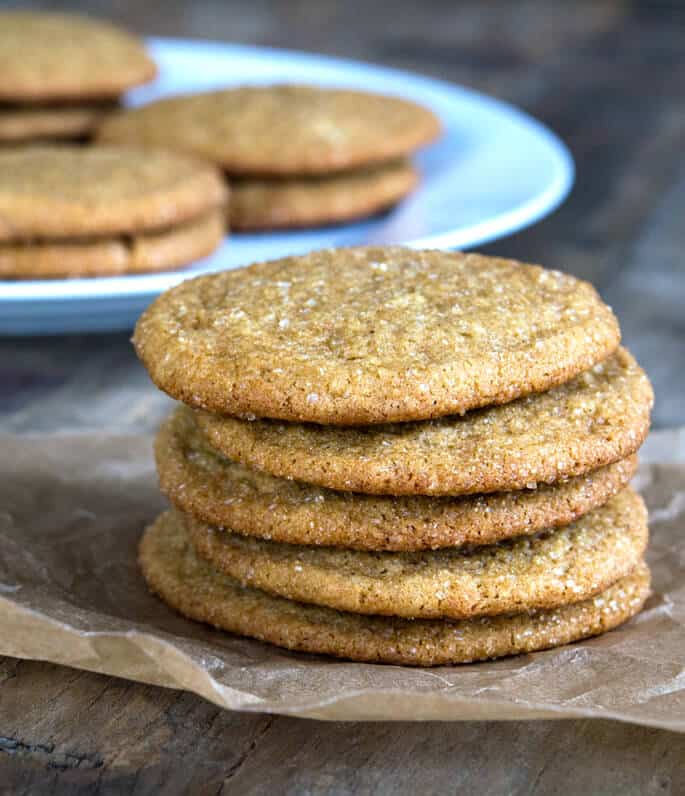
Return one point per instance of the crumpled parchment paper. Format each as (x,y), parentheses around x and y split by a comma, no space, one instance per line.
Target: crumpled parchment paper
(72,507)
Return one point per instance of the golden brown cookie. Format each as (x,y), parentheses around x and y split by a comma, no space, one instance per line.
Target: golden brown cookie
(369,335)
(61,192)
(175,572)
(547,570)
(279,129)
(260,204)
(597,418)
(202,482)
(151,251)
(47,56)
(19,124)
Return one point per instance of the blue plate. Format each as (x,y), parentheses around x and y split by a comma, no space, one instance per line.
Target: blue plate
(494,171)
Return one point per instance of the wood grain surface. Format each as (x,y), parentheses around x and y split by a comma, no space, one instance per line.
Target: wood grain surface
(608,76)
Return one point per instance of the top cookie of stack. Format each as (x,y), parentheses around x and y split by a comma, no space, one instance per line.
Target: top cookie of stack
(59,74)
(296,155)
(432,449)
(372,335)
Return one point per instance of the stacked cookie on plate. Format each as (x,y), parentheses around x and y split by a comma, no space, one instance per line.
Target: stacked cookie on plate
(295,156)
(399,456)
(68,211)
(61,73)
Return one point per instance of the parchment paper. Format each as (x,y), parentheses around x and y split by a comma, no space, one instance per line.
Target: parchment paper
(73,506)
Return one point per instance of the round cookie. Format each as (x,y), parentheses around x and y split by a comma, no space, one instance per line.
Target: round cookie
(275,204)
(371,335)
(152,251)
(597,418)
(62,192)
(47,56)
(279,130)
(202,482)
(186,583)
(548,570)
(19,124)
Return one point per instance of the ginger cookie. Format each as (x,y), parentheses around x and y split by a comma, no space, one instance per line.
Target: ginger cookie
(372,335)
(202,482)
(262,204)
(547,570)
(47,56)
(56,193)
(19,124)
(173,570)
(133,254)
(595,419)
(279,130)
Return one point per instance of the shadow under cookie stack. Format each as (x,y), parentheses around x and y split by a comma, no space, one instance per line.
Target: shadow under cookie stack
(397,456)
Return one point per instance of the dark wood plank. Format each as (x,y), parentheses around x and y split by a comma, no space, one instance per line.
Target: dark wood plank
(73,732)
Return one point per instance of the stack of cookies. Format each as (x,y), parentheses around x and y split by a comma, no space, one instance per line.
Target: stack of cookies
(397,456)
(296,156)
(68,211)
(60,74)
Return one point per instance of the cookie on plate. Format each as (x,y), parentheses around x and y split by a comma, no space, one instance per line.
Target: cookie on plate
(134,253)
(68,211)
(263,204)
(188,584)
(37,123)
(60,74)
(279,130)
(372,335)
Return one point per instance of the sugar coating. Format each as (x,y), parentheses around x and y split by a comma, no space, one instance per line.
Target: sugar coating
(202,482)
(138,253)
(305,202)
(597,418)
(368,335)
(188,584)
(47,56)
(541,571)
(279,129)
(63,192)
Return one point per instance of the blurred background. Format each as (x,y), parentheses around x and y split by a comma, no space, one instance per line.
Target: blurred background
(606,75)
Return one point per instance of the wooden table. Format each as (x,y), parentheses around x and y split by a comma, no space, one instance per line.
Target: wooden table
(609,77)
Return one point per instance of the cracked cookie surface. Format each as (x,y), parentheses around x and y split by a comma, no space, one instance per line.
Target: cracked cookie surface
(173,570)
(595,419)
(546,570)
(370,335)
(202,482)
